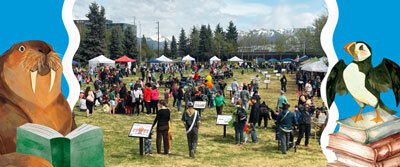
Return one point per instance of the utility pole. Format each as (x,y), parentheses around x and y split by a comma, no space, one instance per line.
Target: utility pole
(158,38)
(140,43)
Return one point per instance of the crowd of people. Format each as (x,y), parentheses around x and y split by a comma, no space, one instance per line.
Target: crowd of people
(142,96)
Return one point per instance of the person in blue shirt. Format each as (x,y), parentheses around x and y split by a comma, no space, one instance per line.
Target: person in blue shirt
(285,121)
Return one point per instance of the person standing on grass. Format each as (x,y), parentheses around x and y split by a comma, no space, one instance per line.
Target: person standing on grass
(137,97)
(234,86)
(187,97)
(147,98)
(304,124)
(162,119)
(238,124)
(253,120)
(89,96)
(191,121)
(154,99)
(112,101)
(283,83)
(285,121)
(174,91)
(179,98)
(245,96)
(281,99)
(219,102)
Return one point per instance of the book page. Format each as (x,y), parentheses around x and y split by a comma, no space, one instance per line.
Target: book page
(41,130)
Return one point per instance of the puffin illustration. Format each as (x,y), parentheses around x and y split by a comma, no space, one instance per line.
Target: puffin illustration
(363,81)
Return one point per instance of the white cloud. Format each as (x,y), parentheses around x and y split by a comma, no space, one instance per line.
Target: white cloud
(176,14)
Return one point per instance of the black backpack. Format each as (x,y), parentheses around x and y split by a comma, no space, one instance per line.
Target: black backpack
(241,115)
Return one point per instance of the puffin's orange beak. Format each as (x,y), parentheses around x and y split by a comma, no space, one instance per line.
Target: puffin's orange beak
(350,47)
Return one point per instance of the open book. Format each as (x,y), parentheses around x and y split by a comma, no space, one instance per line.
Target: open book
(81,147)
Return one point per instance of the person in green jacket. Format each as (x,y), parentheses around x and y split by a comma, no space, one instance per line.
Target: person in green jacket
(219,102)
(281,99)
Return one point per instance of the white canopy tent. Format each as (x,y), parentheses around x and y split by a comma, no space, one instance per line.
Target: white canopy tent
(235,59)
(318,66)
(214,59)
(101,60)
(188,58)
(164,59)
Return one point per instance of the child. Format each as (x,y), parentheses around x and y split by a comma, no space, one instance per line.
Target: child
(147,144)
(169,137)
(166,95)
(112,101)
(247,129)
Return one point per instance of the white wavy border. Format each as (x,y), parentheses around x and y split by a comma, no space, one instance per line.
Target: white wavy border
(73,44)
(327,45)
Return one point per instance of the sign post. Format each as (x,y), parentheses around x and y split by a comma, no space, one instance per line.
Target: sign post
(267,82)
(141,131)
(278,75)
(230,91)
(224,120)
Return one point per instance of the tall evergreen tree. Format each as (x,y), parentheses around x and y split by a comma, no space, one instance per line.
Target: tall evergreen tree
(166,50)
(232,34)
(130,43)
(219,41)
(194,43)
(183,42)
(116,48)
(94,43)
(146,53)
(174,49)
(205,44)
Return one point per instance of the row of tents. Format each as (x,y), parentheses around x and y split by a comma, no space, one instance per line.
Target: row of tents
(308,64)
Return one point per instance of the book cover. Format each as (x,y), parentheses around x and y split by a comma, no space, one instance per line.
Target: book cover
(81,147)
(366,131)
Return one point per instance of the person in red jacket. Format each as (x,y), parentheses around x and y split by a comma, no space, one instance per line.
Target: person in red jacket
(154,99)
(147,98)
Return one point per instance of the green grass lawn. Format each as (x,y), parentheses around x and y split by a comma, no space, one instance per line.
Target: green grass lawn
(213,149)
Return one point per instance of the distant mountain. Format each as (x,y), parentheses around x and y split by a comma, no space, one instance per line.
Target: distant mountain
(270,34)
(152,41)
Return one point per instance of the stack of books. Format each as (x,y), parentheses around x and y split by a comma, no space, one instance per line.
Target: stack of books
(366,143)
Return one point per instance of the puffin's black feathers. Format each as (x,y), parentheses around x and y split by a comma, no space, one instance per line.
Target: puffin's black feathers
(335,83)
(386,76)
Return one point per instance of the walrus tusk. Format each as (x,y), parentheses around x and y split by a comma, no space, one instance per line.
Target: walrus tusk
(33,80)
(52,79)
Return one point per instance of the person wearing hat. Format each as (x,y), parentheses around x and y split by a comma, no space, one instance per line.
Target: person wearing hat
(191,121)
(285,121)
(254,116)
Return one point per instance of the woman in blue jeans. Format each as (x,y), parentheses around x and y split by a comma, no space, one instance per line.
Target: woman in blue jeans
(239,126)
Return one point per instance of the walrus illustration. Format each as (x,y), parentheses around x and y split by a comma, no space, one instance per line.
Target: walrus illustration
(30,91)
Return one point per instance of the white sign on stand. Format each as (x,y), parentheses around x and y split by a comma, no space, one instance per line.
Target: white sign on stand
(267,76)
(140,130)
(223,119)
(275,71)
(267,81)
(199,105)
(278,74)
(283,70)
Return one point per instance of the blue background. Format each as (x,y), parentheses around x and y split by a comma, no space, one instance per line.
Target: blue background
(377,24)
(25,20)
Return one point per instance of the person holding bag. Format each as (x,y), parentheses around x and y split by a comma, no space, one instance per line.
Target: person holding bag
(162,119)
(191,121)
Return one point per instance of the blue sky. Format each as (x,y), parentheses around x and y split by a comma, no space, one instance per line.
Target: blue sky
(176,14)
